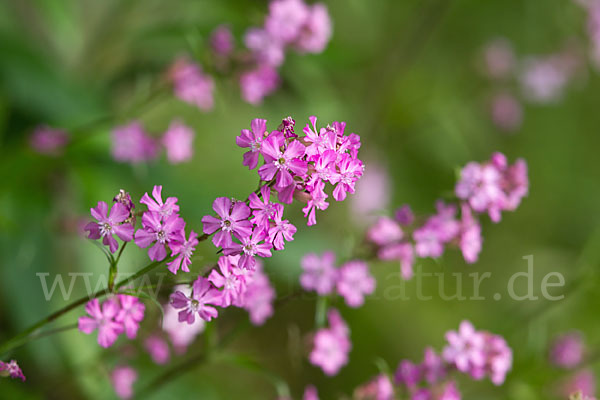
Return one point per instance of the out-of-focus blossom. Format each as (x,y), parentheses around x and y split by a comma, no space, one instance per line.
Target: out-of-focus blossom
(11,369)
(130,143)
(221,40)
(567,350)
(404,215)
(544,79)
(259,296)
(192,85)
(384,231)
(582,381)
(103,319)
(408,373)
(379,388)
(122,379)
(372,193)
(310,393)
(286,19)
(470,235)
(158,349)
(354,282)
(130,314)
(499,59)
(331,345)
(181,334)
(506,112)
(178,141)
(319,273)
(49,141)
(259,82)
(316,31)
(266,49)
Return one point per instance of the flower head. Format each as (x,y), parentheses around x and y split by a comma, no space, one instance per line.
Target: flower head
(183,249)
(156,204)
(102,319)
(232,218)
(123,379)
(11,369)
(354,282)
(204,296)
(178,141)
(160,231)
(46,140)
(110,224)
(319,273)
(567,350)
(130,314)
(192,85)
(130,143)
(331,347)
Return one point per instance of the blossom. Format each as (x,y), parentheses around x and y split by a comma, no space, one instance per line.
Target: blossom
(350,170)
(158,349)
(130,143)
(384,231)
(203,296)
(122,379)
(281,229)
(192,85)
(259,296)
(433,366)
(499,59)
(221,40)
(582,381)
(232,285)
(282,164)
(465,349)
(252,138)
(379,388)
(316,31)
(125,198)
(251,246)
(178,141)
(11,369)
(110,224)
(402,252)
(310,393)
(450,392)
(156,204)
(130,314)
(182,249)
(319,273)
(567,350)
(331,347)
(373,192)
(265,48)
(263,210)
(233,218)
(470,235)
(317,202)
(257,83)
(286,19)
(354,282)
(181,334)
(408,373)
(404,215)
(544,79)
(158,231)
(506,112)
(103,319)
(438,230)
(49,141)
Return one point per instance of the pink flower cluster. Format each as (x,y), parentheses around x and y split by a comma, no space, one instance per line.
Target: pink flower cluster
(490,187)
(131,143)
(230,285)
(289,24)
(568,351)
(331,345)
(352,280)
(114,316)
(12,370)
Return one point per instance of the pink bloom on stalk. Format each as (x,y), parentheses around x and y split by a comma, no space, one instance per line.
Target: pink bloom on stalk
(350,170)
(384,231)
(402,252)
(506,112)
(221,40)
(158,349)
(320,140)
(124,198)
(499,358)
(259,297)
(450,392)
(110,224)
(264,210)
(567,350)
(285,19)
(465,349)
(102,319)
(181,334)
(156,204)
(281,231)
(252,139)
(319,273)
(11,369)
(232,285)
(470,235)
(130,314)
(265,48)
(158,231)
(544,79)
(203,296)
(282,164)
(192,85)
(46,140)
(232,218)
(331,346)
(408,374)
(438,230)
(178,141)
(251,246)
(122,379)
(404,215)
(316,31)
(354,282)
(258,83)
(183,249)
(433,366)
(130,143)
(310,393)
(480,184)
(317,201)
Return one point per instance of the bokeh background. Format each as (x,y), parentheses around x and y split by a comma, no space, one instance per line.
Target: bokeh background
(405,75)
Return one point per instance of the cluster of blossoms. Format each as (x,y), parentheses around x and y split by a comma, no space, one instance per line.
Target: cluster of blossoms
(490,187)
(331,345)
(569,352)
(352,280)
(131,143)
(11,369)
(478,354)
(542,79)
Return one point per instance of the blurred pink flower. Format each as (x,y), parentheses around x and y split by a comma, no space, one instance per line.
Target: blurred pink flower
(11,369)
(354,282)
(130,314)
(178,141)
(123,379)
(319,273)
(506,112)
(257,83)
(192,85)
(331,345)
(567,350)
(499,59)
(158,349)
(103,319)
(130,143)
(49,141)
(316,30)
(222,41)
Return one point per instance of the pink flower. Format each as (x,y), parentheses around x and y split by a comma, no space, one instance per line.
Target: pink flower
(156,204)
(158,349)
(582,381)
(11,369)
(408,374)
(178,140)
(258,83)
(316,31)
(384,231)
(506,112)
(281,230)
(402,252)
(259,296)
(310,393)
(183,249)
(263,210)
(354,282)
(450,392)
(252,139)
(265,48)
(232,284)
(221,40)
(123,379)
(192,85)
(130,314)
(251,246)
(373,192)
(567,350)
(465,349)
(109,225)
(281,164)
(331,346)
(203,296)
(404,215)
(125,198)
(286,18)
(433,366)
(181,334)
(317,202)
(232,219)
(438,230)
(350,170)
(499,59)
(158,231)
(470,235)
(319,274)
(130,143)
(46,140)
(379,388)
(102,319)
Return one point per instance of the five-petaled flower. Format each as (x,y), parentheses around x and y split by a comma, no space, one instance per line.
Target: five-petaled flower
(110,224)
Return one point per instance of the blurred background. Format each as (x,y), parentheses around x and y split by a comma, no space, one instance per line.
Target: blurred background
(417,80)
